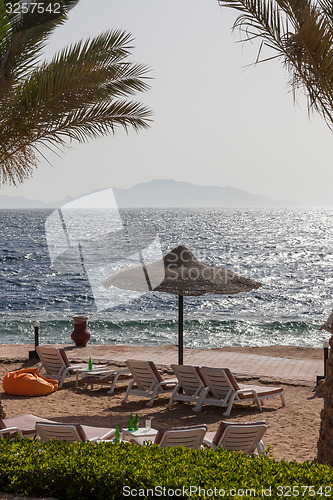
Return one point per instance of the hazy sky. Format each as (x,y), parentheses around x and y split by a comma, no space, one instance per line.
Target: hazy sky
(215,121)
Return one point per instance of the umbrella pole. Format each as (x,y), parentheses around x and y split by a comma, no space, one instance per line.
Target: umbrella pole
(180,328)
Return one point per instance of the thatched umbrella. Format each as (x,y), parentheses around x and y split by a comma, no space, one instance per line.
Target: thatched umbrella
(180,273)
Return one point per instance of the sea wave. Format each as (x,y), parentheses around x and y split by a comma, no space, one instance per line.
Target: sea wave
(197,333)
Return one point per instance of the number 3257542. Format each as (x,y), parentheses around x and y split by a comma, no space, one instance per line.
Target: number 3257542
(39,7)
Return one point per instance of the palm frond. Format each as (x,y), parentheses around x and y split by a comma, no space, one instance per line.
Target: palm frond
(300,33)
(23,36)
(79,95)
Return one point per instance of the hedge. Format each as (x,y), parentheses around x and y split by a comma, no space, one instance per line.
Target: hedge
(118,471)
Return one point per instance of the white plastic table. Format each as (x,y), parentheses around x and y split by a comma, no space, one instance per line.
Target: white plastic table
(141,432)
(98,369)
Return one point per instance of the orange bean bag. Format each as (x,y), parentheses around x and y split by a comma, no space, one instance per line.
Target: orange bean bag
(28,382)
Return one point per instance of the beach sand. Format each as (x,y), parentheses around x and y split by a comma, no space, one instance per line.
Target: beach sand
(292,430)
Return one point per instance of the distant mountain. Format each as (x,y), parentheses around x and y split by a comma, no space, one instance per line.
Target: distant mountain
(169,193)
(10,202)
(162,194)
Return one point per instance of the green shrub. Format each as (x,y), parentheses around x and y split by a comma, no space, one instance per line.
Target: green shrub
(108,471)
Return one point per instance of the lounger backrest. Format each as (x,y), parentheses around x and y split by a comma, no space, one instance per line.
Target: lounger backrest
(51,358)
(64,432)
(190,378)
(240,436)
(63,354)
(220,381)
(144,373)
(190,437)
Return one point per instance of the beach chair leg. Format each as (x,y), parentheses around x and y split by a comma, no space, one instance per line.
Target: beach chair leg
(113,386)
(153,396)
(231,402)
(257,400)
(198,407)
(62,379)
(283,399)
(201,399)
(174,392)
(130,385)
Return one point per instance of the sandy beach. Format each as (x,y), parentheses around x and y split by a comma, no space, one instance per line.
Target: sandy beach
(292,430)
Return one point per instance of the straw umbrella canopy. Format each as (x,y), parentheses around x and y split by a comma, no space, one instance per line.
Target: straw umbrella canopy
(182,274)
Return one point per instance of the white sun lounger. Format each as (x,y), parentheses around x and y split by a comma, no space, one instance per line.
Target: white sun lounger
(190,437)
(223,390)
(55,364)
(190,384)
(148,380)
(234,436)
(73,432)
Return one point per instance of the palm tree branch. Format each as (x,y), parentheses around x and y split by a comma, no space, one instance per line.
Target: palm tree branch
(80,94)
(56,87)
(300,34)
(23,36)
(98,121)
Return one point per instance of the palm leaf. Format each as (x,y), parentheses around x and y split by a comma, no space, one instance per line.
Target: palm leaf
(23,36)
(300,33)
(76,96)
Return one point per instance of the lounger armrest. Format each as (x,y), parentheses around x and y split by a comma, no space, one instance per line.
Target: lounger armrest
(209,444)
(247,391)
(109,435)
(96,440)
(11,430)
(124,370)
(105,438)
(173,381)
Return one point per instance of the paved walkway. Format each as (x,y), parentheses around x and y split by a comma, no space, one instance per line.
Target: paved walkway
(287,370)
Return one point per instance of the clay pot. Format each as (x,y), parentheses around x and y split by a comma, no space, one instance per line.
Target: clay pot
(80,334)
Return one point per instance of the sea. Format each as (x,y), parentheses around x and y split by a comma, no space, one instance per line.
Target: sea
(51,268)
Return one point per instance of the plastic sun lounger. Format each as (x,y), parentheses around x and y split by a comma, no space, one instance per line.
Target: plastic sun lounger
(25,423)
(55,364)
(223,390)
(190,384)
(148,380)
(244,436)
(190,437)
(73,432)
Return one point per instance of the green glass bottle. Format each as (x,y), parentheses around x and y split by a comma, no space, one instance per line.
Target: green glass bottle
(117,435)
(130,423)
(136,422)
(90,364)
